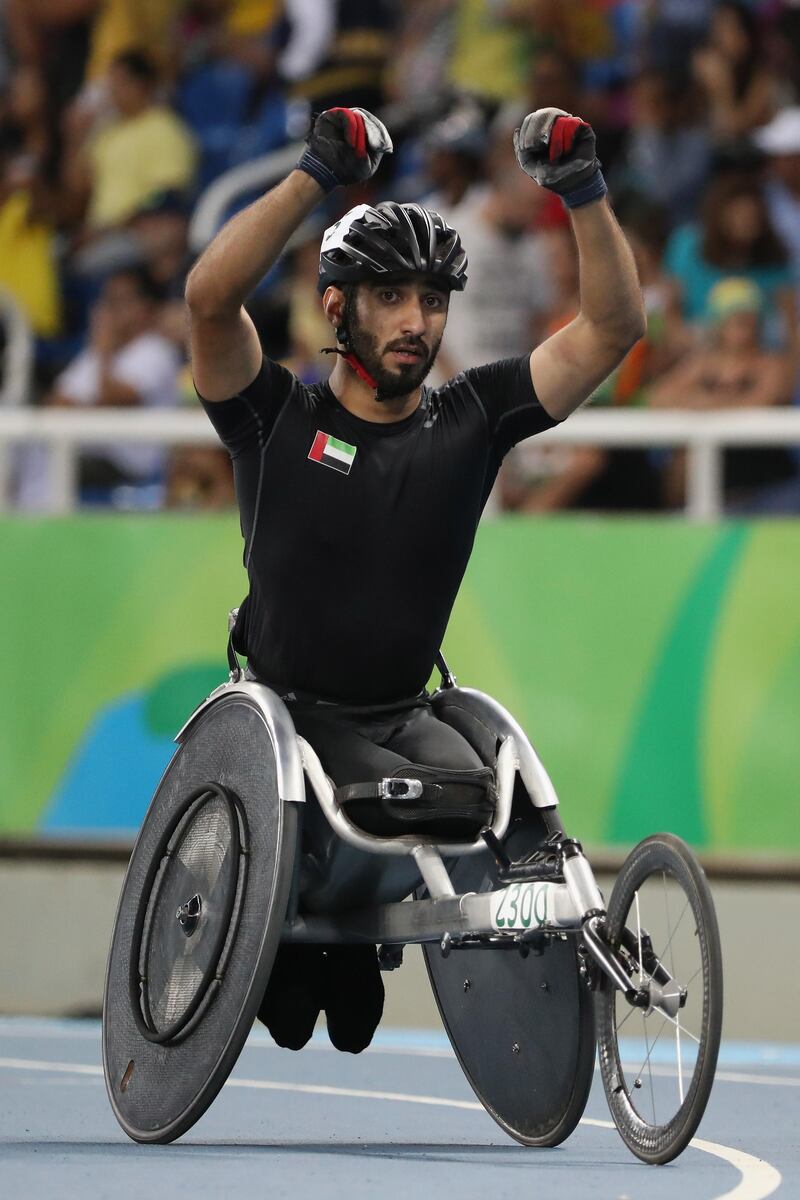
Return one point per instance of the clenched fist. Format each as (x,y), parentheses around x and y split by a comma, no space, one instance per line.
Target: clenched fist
(345,146)
(558,151)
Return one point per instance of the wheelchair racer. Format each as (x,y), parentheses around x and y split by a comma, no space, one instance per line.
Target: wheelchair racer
(360,497)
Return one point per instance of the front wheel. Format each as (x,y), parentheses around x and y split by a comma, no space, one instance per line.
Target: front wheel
(657,1063)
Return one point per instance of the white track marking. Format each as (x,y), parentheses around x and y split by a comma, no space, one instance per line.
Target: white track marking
(263,1043)
(759,1179)
(30,1064)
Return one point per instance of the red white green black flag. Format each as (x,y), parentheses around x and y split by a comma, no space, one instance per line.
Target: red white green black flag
(332,452)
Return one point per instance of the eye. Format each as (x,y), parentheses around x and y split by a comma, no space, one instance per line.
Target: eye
(389,295)
(434,300)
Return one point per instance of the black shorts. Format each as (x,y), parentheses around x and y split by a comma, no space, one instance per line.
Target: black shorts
(357,746)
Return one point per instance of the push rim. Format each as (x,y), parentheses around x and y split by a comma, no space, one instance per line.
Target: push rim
(194,921)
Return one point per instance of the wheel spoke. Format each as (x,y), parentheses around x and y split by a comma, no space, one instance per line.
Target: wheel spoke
(675,930)
(639,936)
(669,926)
(646,1063)
(683,1027)
(628,1015)
(693,976)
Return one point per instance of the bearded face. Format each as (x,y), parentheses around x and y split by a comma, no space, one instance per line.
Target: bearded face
(399,363)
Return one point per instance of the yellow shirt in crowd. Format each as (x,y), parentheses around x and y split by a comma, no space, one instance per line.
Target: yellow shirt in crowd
(27,264)
(490,57)
(135,158)
(129,25)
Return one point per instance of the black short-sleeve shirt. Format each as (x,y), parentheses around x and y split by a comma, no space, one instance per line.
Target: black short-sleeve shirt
(357,534)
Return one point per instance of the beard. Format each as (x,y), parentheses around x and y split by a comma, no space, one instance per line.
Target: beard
(393,384)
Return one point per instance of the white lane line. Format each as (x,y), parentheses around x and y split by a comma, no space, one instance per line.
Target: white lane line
(759,1178)
(30,1064)
(261,1043)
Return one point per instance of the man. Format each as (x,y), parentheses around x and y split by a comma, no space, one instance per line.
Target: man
(509,292)
(360,497)
(127,363)
(780,141)
(145,151)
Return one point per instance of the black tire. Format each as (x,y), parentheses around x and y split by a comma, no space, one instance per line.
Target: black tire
(160,1080)
(665,857)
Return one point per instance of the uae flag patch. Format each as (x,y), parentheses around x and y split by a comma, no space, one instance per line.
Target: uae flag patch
(333,453)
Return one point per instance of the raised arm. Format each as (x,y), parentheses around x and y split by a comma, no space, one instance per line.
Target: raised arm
(557,150)
(224,345)
(345,146)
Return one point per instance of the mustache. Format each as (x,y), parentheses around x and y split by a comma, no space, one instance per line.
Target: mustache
(414,344)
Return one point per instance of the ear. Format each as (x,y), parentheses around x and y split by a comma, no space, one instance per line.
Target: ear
(333,302)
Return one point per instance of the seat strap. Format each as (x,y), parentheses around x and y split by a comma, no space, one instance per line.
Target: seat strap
(394,789)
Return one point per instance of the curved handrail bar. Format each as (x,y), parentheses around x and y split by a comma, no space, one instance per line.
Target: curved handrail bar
(280,726)
(534,775)
(263,171)
(407,843)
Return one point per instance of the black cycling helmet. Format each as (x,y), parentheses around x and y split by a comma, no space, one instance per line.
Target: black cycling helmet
(391,239)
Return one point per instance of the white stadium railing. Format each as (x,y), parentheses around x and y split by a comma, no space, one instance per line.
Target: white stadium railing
(65,432)
(261,173)
(18,353)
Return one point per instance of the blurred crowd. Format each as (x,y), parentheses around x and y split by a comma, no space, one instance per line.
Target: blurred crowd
(117,115)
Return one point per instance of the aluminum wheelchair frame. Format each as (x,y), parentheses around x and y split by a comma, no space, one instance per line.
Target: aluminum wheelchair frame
(519,912)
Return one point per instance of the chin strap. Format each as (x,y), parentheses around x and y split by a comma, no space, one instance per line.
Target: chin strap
(354,363)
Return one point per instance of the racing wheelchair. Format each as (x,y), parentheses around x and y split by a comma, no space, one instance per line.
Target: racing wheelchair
(532,972)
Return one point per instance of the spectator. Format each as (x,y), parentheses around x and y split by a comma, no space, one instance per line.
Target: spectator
(489,56)
(126,364)
(307,328)
(735,237)
(417,70)
(554,81)
(780,141)
(668,153)
(337,52)
(228,91)
(28,262)
(671,31)
(537,478)
(498,315)
(454,148)
(5,53)
(733,369)
(732,71)
(200,477)
(51,37)
(144,150)
(123,25)
(668,336)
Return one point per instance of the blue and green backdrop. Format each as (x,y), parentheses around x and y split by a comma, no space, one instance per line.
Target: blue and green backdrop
(655,665)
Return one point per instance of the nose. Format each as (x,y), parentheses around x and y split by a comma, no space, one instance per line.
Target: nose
(412,317)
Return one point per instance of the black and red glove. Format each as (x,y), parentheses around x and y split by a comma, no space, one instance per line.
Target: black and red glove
(558,151)
(345,145)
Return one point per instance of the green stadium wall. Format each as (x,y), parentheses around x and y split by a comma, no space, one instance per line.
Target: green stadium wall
(655,665)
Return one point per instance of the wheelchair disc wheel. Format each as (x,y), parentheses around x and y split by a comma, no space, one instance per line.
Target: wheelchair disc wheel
(523,1029)
(658,1068)
(198,924)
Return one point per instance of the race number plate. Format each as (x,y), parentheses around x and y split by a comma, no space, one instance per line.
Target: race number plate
(521,906)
